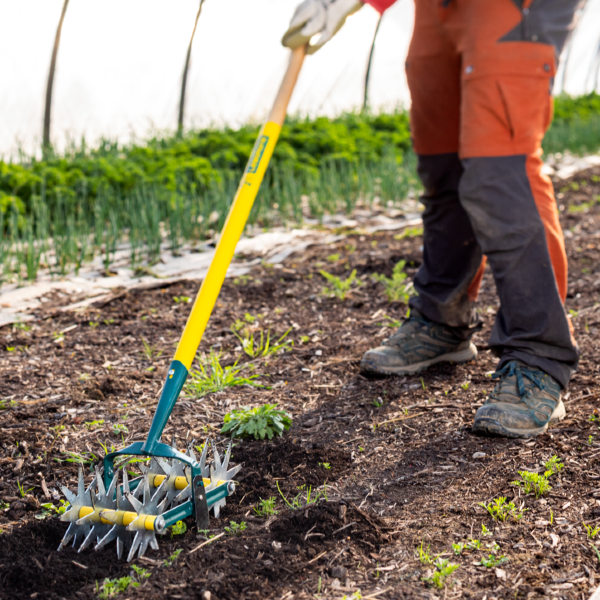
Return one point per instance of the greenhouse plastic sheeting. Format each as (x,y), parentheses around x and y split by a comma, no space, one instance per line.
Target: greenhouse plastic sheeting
(120,63)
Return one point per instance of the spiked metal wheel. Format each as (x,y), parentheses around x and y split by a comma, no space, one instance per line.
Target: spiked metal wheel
(131,514)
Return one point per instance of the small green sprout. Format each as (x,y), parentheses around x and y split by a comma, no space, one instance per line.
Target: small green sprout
(93,425)
(485,531)
(263,347)
(397,289)
(325,465)
(22,491)
(339,287)
(7,403)
(591,532)
(443,569)
(304,339)
(142,573)
(500,510)
(266,508)
(333,258)
(458,548)
(181,299)
(590,440)
(173,558)
(305,498)
(119,428)
(179,528)
(93,324)
(150,352)
(465,386)
(493,561)
(423,554)
(235,529)
(474,544)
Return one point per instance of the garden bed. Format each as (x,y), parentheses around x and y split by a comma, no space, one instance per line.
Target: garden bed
(401,468)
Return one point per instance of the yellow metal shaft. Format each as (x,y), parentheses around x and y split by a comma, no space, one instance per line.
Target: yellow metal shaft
(238,216)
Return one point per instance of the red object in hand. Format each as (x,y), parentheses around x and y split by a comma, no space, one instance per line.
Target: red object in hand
(380,5)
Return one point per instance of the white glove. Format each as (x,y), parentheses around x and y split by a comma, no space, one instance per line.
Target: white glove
(318,16)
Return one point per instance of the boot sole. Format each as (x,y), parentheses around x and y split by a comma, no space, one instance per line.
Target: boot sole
(461,356)
(493,427)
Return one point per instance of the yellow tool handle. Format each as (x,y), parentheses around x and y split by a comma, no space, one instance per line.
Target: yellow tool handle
(238,215)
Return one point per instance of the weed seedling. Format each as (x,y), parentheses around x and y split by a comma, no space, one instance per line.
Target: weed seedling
(266,508)
(119,428)
(22,491)
(590,440)
(493,561)
(173,558)
(485,531)
(397,289)
(423,554)
(458,548)
(409,233)
(305,498)
(474,544)
(443,569)
(181,299)
(325,465)
(259,422)
(93,425)
(112,587)
(235,529)
(500,510)
(142,573)
(179,528)
(150,352)
(591,532)
(6,404)
(262,348)
(212,377)
(93,324)
(339,287)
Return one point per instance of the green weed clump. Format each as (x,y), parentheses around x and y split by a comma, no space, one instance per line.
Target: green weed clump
(500,510)
(262,347)
(212,377)
(307,497)
(443,569)
(534,483)
(397,289)
(339,287)
(259,422)
(266,508)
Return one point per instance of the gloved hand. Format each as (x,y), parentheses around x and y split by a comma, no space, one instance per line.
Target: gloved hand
(318,16)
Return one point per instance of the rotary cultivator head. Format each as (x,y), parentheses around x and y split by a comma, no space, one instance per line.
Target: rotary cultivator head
(131,513)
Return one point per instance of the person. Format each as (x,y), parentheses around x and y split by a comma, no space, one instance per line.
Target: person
(480,75)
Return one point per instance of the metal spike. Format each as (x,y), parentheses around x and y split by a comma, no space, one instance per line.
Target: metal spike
(134,546)
(88,540)
(100,482)
(119,548)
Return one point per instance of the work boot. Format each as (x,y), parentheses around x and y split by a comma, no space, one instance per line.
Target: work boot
(418,344)
(524,402)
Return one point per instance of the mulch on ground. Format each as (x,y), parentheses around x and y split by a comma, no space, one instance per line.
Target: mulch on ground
(395,457)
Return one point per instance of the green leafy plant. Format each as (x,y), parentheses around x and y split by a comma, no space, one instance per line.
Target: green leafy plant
(458,548)
(181,299)
(423,554)
(500,510)
(485,531)
(22,491)
(112,587)
(142,573)
(262,348)
(493,561)
(178,529)
(94,324)
(443,569)
(235,529)
(397,289)
(150,352)
(93,425)
(305,498)
(592,532)
(259,422)
(409,233)
(48,509)
(474,544)
(339,287)
(325,465)
(173,558)
(266,508)
(212,377)
(119,428)
(7,403)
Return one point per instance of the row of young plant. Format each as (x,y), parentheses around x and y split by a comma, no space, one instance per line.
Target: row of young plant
(61,234)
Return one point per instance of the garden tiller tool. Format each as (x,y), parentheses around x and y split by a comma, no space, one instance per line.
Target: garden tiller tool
(175,485)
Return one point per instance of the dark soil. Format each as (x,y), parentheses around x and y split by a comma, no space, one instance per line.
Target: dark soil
(395,458)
